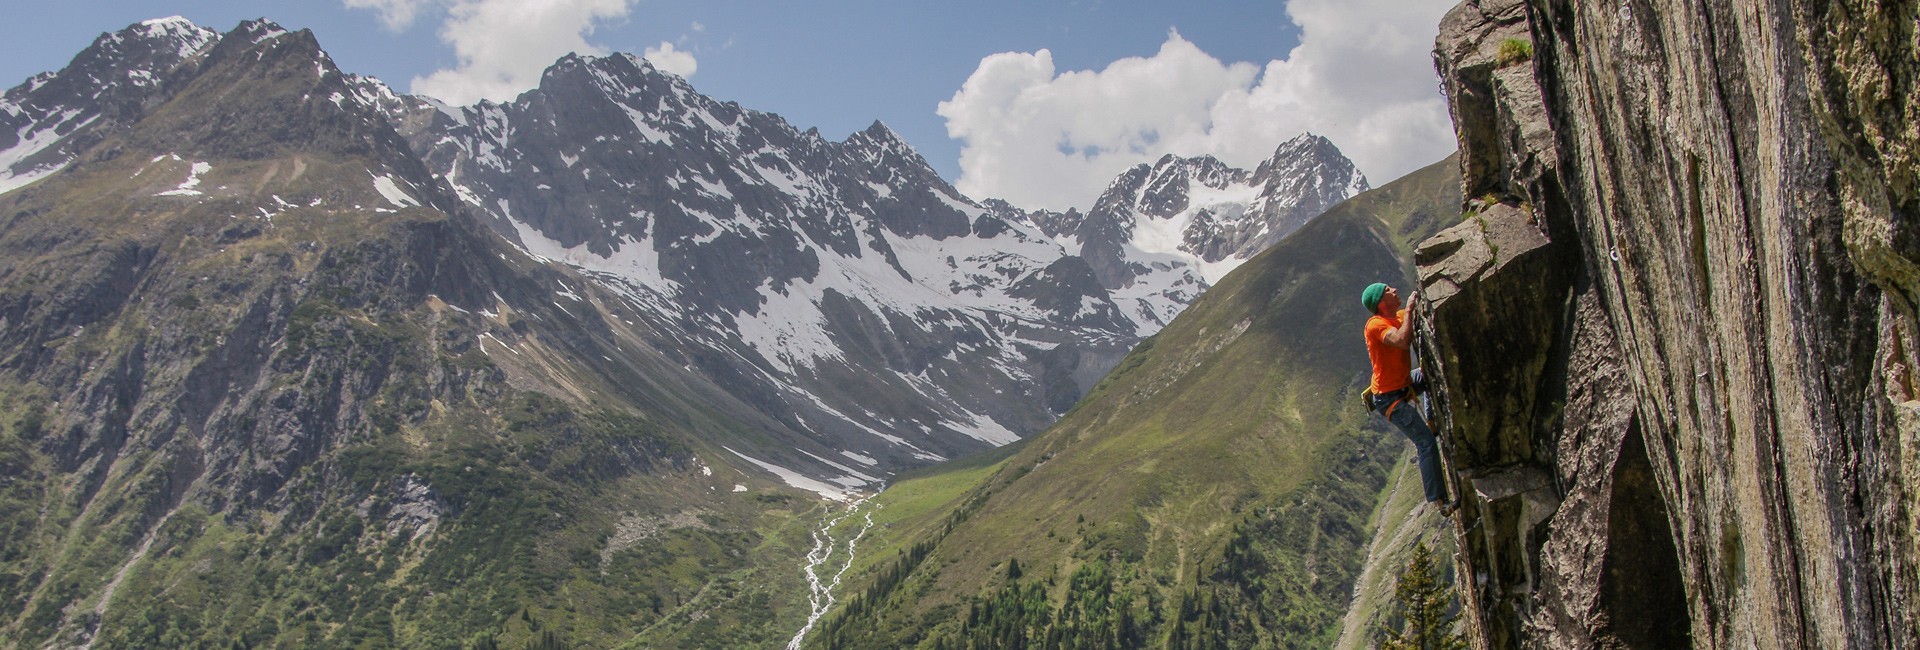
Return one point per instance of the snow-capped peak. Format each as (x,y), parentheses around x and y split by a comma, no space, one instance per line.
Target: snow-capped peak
(260,30)
(883,136)
(844,284)
(180,37)
(191,35)
(1199,213)
(45,122)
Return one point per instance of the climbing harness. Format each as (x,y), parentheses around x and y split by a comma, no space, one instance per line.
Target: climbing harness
(1403,394)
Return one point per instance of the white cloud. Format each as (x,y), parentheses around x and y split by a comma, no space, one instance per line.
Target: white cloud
(665,57)
(1362,76)
(397,15)
(503,45)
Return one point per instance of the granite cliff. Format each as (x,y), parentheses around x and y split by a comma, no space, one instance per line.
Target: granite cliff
(1675,332)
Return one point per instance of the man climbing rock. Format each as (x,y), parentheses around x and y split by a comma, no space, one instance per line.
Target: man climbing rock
(1389,334)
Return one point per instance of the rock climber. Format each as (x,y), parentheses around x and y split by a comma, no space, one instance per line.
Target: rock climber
(1389,334)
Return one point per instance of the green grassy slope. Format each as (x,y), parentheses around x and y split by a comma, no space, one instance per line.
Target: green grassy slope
(1216,488)
(1398,524)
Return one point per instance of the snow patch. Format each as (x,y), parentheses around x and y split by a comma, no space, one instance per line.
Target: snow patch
(1166,236)
(797,480)
(269,33)
(717,190)
(861,458)
(644,126)
(31,142)
(789,330)
(788,184)
(985,429)
(853,478)
(391,190)
(633,268)
(193,180)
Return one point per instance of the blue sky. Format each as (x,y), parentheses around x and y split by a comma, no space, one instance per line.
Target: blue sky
(1037,102)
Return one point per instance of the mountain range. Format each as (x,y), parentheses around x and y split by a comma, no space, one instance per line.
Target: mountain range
(403,373)
(841,288)
(845,284)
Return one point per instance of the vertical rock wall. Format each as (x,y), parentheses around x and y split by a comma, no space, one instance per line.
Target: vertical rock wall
(1675,331)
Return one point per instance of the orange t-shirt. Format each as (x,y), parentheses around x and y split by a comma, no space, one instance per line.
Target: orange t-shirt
(1392,367)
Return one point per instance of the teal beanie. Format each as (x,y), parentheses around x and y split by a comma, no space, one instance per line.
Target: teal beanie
(1370,298)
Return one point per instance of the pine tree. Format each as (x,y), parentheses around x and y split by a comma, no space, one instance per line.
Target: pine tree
(1424,603)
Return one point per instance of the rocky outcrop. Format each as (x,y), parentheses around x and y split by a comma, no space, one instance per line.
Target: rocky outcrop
(1675,334)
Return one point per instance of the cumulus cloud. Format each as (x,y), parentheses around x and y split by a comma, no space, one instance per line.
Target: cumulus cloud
(503,45)
(1362,76)
(397,15)
(665,57)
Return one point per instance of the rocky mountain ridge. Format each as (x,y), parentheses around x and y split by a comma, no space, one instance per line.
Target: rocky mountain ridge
(781,251)
(1200,212)
(843,288)
(47,121)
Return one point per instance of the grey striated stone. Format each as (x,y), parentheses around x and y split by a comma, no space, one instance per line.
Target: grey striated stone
(1498,290)
(416,507)
(1712,353)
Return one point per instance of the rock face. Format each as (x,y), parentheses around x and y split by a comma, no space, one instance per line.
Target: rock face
(1676,333)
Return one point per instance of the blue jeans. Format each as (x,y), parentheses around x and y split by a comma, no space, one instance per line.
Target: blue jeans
(1408,419)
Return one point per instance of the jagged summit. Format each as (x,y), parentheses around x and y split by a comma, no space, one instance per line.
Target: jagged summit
(622,71)
(814,274)
(260,29)
(47,120)
(882,135)
(187,37)
(1201,216)
(885,146)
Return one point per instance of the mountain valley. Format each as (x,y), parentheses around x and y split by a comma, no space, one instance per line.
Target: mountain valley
(292,359)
